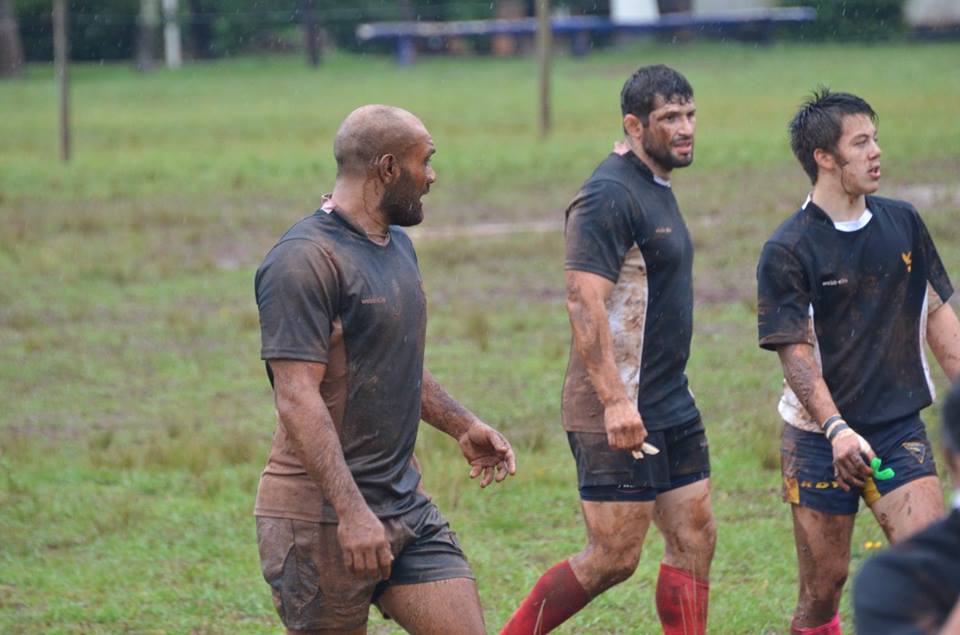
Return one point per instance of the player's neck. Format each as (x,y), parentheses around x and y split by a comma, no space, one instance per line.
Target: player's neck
(357,206)
(657,169)
(838,204)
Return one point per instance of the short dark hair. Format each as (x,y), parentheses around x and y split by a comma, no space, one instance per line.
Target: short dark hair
(951,419)
(641,89)
(819,124)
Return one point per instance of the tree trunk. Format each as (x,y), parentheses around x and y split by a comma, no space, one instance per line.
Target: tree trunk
(148,25)
(311,31)
(11,49)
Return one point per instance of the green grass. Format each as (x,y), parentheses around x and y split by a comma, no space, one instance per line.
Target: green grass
(135,413)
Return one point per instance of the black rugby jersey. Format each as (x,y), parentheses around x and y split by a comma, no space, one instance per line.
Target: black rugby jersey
(865,292)
(626,226)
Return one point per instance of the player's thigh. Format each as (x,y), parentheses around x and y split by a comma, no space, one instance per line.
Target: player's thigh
(617,525)
(685,518)
(435,608)
(909,508)
(312,589)
(823,546)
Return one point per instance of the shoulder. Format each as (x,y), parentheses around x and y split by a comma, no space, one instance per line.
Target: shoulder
(308,242)
(788,240)
(791,232)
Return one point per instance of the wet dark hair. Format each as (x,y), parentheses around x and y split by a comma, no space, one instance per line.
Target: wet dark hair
(819,124)
(641,89)
(951,419)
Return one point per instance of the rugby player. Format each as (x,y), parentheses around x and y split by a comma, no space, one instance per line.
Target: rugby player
(849,288)
(634,429)
(341,519)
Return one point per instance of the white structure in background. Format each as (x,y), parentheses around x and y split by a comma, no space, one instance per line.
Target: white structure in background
(932,13)
(627,11)
(171,35)
(916,13)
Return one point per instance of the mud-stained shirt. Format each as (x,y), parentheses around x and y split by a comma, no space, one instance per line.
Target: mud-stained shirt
(625,225)
(328,294)
(861,298)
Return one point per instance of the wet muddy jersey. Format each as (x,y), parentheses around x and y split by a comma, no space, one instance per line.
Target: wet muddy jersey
(328,294)
(860,298)
(624,224)
(911,588)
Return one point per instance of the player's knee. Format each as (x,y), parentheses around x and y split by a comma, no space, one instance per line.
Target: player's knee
(824,592)
(617,563)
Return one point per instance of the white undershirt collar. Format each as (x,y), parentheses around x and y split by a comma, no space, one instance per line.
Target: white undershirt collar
(847,225)
(663,182)
(956,499)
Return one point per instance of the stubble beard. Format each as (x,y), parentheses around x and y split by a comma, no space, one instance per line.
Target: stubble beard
(401,204)
(662,156)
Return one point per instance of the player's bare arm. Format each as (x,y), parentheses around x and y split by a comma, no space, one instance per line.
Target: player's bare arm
(307,421)
(488,452)
(587,294)
(943,336)
(802,372)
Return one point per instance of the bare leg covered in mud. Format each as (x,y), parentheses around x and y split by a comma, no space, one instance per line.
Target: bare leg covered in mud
(436,608)
(615,535)
(909,508)
(823,559)
(685,518)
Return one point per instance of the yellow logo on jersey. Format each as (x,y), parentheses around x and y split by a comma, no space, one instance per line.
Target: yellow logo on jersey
(907,258)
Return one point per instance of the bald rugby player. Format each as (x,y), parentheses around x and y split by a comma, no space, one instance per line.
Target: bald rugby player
(341,520)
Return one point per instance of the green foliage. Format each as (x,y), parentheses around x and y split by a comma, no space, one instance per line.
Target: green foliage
(863,20)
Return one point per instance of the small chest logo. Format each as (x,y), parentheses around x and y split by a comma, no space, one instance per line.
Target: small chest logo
(834,283)
(664,230)
(373,299)
(907,258)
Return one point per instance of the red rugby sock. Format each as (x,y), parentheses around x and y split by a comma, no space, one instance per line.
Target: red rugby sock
(555,597)
(682,601)
(830,628)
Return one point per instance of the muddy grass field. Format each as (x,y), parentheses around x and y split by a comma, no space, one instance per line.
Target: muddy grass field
(134,412)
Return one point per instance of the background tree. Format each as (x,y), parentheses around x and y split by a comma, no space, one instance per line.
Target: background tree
(11,49)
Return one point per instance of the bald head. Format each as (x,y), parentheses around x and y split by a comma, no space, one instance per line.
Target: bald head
(369,132)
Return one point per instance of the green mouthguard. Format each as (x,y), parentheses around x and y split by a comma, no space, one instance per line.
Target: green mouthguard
(884,474)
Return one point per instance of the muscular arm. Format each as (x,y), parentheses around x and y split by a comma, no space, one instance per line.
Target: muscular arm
(487,451)
(586,297)
(943,336)
(587,294)
(307,421)
(802,372)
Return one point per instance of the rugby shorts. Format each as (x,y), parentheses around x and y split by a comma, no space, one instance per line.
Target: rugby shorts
(311,586)
(605,474)
(806,463)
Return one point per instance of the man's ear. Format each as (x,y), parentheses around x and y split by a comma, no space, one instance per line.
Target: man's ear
(633,126)
(388,168)
(825,160)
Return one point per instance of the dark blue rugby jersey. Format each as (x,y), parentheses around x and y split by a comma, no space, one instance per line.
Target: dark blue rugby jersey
(626,226)
(865,294)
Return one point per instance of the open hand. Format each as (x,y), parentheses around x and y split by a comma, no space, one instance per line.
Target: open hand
(488,453)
